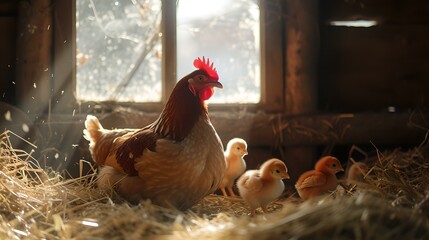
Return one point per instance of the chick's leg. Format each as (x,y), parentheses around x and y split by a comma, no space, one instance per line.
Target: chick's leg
(264,209)
(223,192)
(231,192)
(252,211)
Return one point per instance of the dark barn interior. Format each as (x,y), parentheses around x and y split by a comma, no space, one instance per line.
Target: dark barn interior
(328,89)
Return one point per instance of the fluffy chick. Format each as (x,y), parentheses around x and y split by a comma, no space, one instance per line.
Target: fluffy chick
(356,173)
(260,187)
(236,149)
(321,180)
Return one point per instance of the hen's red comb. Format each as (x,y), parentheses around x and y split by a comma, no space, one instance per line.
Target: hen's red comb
(206,66)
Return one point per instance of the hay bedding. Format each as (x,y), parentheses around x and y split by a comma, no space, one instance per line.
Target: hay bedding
(40,204)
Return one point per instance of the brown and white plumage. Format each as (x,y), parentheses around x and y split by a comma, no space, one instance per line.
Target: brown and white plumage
(260,187)
(321,180)
(176,160)
(236,149)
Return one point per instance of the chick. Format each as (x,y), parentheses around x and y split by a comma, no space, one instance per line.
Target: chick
(260,187)
(356,173)
(236,149)
(321,180)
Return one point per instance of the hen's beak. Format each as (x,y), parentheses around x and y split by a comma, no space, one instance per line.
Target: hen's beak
(214,84)
(208,84)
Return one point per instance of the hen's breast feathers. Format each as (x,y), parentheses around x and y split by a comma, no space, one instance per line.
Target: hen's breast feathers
(194,165)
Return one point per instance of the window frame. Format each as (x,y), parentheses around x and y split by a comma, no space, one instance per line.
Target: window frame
(64,62)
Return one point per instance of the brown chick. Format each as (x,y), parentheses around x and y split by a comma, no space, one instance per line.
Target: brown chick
(321,180)
(236,149)
(356,173)
(260,187)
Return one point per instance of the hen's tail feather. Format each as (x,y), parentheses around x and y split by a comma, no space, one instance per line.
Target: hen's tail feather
(92,131)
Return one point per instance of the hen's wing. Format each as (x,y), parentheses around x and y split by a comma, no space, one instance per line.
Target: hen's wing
(251,182)
(132,146)
(314,179)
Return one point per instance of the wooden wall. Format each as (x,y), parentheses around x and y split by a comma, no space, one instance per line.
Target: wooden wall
(359,71)
(370,69)
(8,22)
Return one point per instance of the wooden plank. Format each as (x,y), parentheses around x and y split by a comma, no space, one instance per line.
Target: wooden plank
(169,63)
(302,48)
(272,73)
(370,69)
(265,130)
(384,11)
(34,49)
(9,8)
(64,55)
(7,61)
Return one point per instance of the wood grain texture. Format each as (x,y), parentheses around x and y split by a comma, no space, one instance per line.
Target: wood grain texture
(370,69)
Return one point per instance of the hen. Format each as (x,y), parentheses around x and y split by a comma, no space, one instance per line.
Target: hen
(260,187)
(236,149)
(321,180)
(176,160)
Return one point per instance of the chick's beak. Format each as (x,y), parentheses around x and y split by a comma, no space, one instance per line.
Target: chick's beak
(340,169)
(285,176)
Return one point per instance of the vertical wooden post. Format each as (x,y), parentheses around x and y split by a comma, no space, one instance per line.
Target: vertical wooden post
(271,42)
(64,55)
(302,47)
(34,54)
(168,28)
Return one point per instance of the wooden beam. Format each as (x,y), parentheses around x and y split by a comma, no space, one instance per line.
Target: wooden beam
(272,73)
(302,47)
(34,54)
(64,64)
(7,61)
(309,130)
(168,29)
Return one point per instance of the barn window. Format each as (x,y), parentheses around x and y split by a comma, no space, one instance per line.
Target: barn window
(120,47)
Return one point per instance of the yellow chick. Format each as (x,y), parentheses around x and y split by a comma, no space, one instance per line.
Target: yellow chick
(236,149)
(321,180)
(260,187)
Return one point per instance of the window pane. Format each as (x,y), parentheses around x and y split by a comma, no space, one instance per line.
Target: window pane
(226,31)
(118,50)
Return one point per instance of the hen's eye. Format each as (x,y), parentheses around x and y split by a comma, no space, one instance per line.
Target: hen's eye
(238,148)
(277,171)
(334,165)
(200,79)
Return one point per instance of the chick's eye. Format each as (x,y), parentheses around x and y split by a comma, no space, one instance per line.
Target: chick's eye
(238,148)
(277,171)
